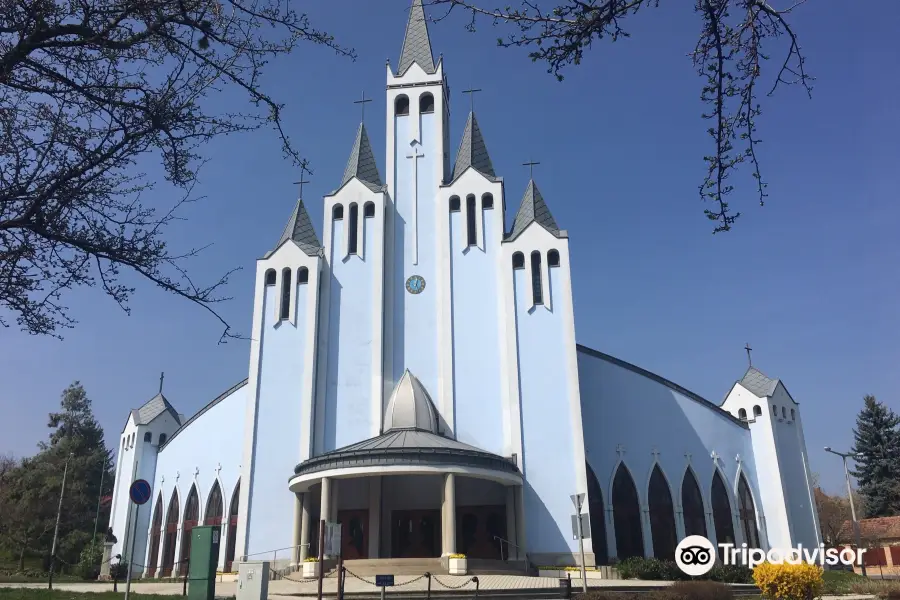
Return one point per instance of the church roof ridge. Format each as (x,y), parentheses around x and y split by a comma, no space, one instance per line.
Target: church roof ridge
(757,382)
(154,407)
(361,163)
(473,151)
(533,209)
(299,228)
(416,43)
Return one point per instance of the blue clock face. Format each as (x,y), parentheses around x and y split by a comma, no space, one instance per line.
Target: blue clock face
(415,284)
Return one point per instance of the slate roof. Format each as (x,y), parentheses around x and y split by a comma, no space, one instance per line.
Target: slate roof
(757,382)
(154,407)
(473,151)
(416,43)
(300,229)
(361,163)
(882,531)
(533,209)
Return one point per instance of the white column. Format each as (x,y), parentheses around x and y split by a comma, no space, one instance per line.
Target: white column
(335,489)
(295,539)
(520,520)
(304,526)
(374,525)
(511,553)
(448,515)
(325,504)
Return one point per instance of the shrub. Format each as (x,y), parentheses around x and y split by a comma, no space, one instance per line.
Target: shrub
(789,582)
(701,590)
(119,570)
(839,582)
(886,590)
(729,574)
(89,563)
(638,567)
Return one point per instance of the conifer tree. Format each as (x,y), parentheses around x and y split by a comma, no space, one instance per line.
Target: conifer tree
(878,458)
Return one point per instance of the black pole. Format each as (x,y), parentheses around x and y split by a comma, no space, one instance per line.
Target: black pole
(116,574)
(321,555)
(187,568)
(475,579)
(428,591)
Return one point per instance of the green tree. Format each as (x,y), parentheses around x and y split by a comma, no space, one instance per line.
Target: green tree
(877,444)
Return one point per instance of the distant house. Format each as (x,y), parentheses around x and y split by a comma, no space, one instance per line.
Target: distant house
(881,538)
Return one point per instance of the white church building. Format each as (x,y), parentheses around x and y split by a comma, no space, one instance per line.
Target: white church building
(414,374)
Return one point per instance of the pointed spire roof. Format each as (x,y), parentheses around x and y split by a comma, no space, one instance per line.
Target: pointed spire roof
(410,406)
(759,383)
(362,162)
(153,408)
(299,229)
(416,44)
(533,209)
(472,151)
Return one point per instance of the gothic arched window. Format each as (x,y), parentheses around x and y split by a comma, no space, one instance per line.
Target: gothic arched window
(353,241)
(154,536)
(191,517)
(454,203)
(662,516)
(171,535)
(627,515)
(747,514)
(518,260)
(793,414)
(285,293)
(302,275)
(721,511)
(692,505)
(213,514)
(472,234)
(401,106)
(487,201)
(162,439)
(757,411)
(270,277)
(148,437)
(426,103)
(783,413)
(337,213)
(742,414)
(232,527)
(369,210)
(597,516)
(537,290)
(774,411)
(553,258)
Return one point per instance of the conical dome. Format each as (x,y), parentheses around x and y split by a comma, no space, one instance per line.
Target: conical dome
(410,407)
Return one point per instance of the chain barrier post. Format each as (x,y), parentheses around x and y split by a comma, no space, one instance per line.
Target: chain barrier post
(116,574)
(428,590)
(475,579)
(321,555)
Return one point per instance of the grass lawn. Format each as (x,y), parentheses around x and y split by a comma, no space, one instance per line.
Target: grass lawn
(840,582)
(44,594)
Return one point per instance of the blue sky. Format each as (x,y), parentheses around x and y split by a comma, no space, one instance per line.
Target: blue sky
(810,280)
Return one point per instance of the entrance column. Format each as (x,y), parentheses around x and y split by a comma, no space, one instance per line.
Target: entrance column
(298,510)
(304,527)
(448,515)
(512,552)
(374,525)
(335,490)
(325,503)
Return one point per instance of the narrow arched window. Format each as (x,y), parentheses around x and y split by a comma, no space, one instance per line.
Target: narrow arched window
(270,277)
(487,201)
(757,411)
(747,513)
(518,260)
(214,506)
(627,515)
(537,290)
(369,210)
(692,505)
(302,275)
(154,536)
(337,213)
(171,538)
(148,437)
(162,439)
(454,203)
(232,527)
(793,415)
(553,258)
(783,413)
(742,414)
(285,293)
(662,516)
(401,106)
(774,411)
(353,240)
(597,516)
(426,103)
(191,518)
(721,512)
(472,235)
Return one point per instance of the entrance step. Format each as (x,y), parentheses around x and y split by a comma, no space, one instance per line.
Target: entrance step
(366,567)
(484,566)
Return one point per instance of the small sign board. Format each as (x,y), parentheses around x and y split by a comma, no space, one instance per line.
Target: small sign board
(384,580)
(140,491)
(585,526)
(332,539)
(577,500)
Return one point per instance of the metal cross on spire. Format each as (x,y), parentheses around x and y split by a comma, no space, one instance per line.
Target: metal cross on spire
(303,169)
(362,104)
(472,93)
(749,350)
(162,377)
(530,164)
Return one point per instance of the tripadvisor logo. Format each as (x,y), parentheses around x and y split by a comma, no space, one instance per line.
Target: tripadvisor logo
(695,555)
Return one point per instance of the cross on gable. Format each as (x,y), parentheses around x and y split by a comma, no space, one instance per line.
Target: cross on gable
(196,471)
(738,458)
(162,479)
(620,449)
(218,469)
(714,455)
(687,455)
(471,93)
(362,103)
(530,164)
(655,452)
(177,475)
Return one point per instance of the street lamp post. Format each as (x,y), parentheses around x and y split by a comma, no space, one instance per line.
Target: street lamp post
(62,491)
(856,534)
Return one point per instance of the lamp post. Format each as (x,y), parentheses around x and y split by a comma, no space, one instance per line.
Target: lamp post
(856,534)
(62,491)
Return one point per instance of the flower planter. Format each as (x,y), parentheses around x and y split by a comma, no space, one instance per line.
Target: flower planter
(310,569)
(459,566)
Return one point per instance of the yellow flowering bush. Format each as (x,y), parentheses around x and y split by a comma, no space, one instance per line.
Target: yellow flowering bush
(789,582)
(457,556)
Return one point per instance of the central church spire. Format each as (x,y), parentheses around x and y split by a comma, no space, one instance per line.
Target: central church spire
(416,43)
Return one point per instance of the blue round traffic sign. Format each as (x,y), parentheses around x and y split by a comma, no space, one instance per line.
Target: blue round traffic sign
(140,491)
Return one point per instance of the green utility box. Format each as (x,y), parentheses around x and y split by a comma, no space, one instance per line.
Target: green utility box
(204,560)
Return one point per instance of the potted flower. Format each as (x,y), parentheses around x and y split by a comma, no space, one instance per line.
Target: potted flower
(310,567)
(458,564)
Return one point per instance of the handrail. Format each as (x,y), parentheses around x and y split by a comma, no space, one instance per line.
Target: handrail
(246,556)
(509,543)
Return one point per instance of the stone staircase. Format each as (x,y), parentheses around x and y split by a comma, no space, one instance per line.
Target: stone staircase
(419,566)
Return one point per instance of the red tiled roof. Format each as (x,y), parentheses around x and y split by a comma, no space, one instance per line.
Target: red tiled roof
(882,530)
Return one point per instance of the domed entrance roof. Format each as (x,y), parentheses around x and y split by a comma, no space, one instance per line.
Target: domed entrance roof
(410,407)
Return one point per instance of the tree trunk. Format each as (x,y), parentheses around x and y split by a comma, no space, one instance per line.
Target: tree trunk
(22,558)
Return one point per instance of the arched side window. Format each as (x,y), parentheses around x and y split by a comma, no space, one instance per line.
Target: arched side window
(487,201)
(302,275)
(214,508)
(721,512)
(793,415)
(162,439)
(353,240)
(270,277)
(692,505)
(148,437)
(454,203)
(518,260)
(774,411)
(472,234)
(742,414)
(553,258)
(171,535)
(191,517)
(747,513)
(627,515)
(401,106)
(154,536)
(426,103)
(757,411)
(783,413)
(232,527)
(337,213)
(285,293)
(537,290)
(597,516)
(662,516)
(369,210)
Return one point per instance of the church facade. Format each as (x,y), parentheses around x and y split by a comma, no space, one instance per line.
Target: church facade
(414,374)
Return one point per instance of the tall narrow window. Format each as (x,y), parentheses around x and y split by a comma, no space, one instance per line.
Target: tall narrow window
(302,275)
(337,213)
(353,239)
(369,210)
(537,290)
(742,414)
(232,527)
(162,439)
(191,516)
(285,293)
(792,414)
(757,411)
(426,103)
(518,260)
(213,514)
(597,516)
(470,221)
(662,516)
(692,505)
(401,106)
(783,413)
(154,536)
(171,537)
(747,513)
(774,411)
(148,437)
(454,203)
(721,512)
(270,277)
(487,201)
(627,515)
(553,258)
